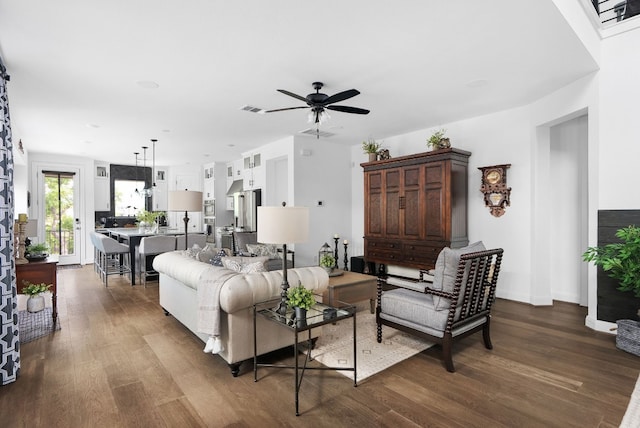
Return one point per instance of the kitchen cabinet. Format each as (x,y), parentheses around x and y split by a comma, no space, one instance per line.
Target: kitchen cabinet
(414,206)
(208,189)
(161,191)
(253,172)
(101,189)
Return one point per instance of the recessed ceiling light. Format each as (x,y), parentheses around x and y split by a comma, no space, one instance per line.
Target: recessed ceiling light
(92,125)
(88,142)
(231,145)
(166,130)
(147,84)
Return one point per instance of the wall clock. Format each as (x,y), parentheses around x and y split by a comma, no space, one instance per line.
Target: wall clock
(494,187)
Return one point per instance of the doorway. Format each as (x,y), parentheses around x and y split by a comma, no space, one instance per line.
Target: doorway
(568,162)
(59,209)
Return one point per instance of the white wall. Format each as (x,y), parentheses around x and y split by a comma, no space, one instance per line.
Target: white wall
(321,173)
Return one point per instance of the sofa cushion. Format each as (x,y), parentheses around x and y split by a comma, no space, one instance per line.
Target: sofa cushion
(245,264)
(444,277)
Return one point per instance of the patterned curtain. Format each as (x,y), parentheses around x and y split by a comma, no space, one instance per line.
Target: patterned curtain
(9,343)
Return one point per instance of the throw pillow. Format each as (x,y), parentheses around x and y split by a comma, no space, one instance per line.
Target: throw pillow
(217,259)
(245,264)
(193,251)
(444,277)
(265,250)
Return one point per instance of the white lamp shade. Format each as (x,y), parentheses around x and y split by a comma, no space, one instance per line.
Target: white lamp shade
(185,200)
(31,229)
(283,225)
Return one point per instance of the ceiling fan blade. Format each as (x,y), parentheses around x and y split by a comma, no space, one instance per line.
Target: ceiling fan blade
(341,96)
(347,109)
(291,94)
(283,109)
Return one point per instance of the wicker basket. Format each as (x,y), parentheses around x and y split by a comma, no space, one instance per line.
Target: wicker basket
(628,337)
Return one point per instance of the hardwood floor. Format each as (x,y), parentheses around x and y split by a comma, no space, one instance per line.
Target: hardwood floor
(119,362)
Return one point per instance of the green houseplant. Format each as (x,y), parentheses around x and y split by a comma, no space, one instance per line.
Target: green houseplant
(35,303)
(327,261)
(621,261)
(300,299)
(371,147)
(438,140)
(37,250)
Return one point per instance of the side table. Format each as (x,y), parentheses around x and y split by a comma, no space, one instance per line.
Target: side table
(352,287)
(36,272)
(317,316)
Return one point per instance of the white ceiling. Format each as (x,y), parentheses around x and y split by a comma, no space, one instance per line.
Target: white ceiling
(75,67)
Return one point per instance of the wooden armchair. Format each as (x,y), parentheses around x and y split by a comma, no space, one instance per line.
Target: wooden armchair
(457,303)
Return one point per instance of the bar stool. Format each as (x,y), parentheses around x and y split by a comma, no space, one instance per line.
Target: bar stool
(199,239)
(151,246)
(114,257)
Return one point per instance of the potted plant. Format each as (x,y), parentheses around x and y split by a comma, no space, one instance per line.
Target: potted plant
(621,261)
(300,299)
(327,261)
(35,302)
(438,140)
(147,218)
(371,147)
(37,251)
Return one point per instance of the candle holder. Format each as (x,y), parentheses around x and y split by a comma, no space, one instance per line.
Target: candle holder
(346,268)
(22,224)
(335,239)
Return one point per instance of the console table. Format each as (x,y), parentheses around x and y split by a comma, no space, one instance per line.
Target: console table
(36,272)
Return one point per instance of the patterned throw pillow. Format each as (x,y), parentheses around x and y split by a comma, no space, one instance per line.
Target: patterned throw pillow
(217,259)
(266,250)
(245,264)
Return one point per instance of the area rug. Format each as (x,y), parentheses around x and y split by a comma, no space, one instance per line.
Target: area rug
(32,326)
(334,347)
(632,415)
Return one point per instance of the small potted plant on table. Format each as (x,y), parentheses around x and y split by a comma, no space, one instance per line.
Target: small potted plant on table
(37,252)
(327,261)
(35,302)
(300,299)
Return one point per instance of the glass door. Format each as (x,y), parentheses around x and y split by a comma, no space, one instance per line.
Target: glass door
(61,220)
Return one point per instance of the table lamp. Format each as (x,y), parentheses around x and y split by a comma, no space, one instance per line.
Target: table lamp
(30,231)
(283,225)
(185,200)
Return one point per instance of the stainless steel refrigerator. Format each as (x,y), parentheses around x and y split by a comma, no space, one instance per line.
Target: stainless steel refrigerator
(245,210)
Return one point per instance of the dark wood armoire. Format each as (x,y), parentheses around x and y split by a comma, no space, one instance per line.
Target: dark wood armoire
(414,206)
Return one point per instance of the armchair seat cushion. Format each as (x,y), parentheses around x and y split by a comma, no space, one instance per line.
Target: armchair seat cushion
(416,308)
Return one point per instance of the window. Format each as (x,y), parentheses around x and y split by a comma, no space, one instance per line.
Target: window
(129,200)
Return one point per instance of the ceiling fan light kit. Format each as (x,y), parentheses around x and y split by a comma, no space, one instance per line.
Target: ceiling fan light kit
(320,103)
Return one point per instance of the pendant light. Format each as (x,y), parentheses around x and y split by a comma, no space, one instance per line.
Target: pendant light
(147,192)
(153,165)
(137,153)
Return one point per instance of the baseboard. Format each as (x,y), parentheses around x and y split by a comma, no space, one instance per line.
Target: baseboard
(598,325)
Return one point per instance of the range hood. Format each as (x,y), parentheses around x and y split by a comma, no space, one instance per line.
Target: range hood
(236,186)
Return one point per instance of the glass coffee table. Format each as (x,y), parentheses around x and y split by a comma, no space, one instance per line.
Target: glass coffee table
(317,316)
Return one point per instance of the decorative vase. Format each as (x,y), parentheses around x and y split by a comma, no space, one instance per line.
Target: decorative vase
(301,316)
(373,157)
(142,227)
(327,269)
(35,303)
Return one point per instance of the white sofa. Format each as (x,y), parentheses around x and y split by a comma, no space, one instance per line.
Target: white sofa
(180,275)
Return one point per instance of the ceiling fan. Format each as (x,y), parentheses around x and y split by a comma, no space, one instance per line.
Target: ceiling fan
(319,102)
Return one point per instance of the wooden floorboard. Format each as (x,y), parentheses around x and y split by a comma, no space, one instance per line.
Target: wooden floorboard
(118,361)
